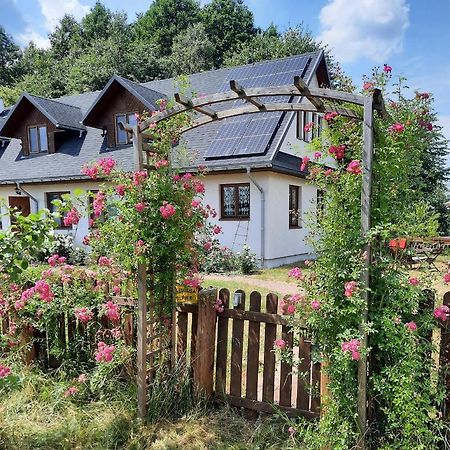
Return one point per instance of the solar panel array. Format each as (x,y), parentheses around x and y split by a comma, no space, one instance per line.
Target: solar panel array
(252,135)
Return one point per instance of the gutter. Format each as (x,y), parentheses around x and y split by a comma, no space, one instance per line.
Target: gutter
(263,201)
(21,189)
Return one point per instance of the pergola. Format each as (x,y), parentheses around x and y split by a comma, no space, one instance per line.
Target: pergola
(320,100)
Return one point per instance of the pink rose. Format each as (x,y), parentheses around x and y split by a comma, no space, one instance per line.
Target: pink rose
(387,69)
(315,304)
(139,207)
(279,344)
(412,326)
(354,167)
(413,281)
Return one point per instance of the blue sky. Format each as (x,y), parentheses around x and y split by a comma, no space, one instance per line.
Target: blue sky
(413,36)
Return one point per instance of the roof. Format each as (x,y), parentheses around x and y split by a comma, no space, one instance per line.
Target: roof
(66,163)
(147,96)
(62,115)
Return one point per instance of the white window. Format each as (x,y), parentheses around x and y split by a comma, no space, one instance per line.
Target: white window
(122,137)
(37,139)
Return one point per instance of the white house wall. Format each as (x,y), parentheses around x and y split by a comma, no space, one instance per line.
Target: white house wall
(38,191)
(282,244)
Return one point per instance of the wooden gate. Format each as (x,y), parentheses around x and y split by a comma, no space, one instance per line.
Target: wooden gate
(232,354)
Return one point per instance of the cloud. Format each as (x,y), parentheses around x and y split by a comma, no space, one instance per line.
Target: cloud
(365,28)
(54,10)
(31,35)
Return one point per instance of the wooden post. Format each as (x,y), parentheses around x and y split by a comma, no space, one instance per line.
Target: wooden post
(366,194)
(137,147)
(142,340)
(206,335)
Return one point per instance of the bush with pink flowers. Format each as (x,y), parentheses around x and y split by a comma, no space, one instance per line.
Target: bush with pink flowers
(404,398)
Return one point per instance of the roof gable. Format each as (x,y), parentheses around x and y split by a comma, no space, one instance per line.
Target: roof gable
(61,115)
(148,97)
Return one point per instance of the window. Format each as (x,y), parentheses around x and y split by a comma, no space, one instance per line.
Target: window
(294,206)
(305,117)
(235,201)
(37,139)
(51,197)
(122,137)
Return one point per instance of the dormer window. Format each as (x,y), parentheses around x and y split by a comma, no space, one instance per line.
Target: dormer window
(37,139)
(122,137)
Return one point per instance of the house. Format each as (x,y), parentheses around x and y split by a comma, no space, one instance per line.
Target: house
(254,179)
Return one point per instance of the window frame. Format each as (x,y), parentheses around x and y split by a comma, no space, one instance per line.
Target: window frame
(237,216)
(116,127)
(37,126)
(298,189)
(49,205)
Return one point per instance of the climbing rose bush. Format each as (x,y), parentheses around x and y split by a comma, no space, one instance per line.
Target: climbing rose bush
(403,391)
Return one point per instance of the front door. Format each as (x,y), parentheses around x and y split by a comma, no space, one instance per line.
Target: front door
(21,204)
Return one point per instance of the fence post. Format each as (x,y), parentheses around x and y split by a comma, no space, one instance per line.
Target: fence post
(142,340)
(206,335)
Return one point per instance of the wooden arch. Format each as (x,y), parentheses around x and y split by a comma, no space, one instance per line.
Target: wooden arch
(253,104)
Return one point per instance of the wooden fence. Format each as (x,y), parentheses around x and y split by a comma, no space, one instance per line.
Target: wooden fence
(232,354)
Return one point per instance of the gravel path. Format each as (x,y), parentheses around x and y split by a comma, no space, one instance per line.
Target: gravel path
(282,287)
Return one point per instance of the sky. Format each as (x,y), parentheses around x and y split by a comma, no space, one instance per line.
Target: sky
(412,36)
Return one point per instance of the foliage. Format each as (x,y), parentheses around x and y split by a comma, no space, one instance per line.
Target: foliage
(247,261)
(192,51)
(9,57)
(164,20)
(228,23)
(62,245)
(22,243)
(404,395)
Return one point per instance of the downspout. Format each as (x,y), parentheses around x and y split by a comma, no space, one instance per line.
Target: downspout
(21,189)
(263,201)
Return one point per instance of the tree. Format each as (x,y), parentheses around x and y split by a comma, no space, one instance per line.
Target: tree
(229,24)
(9,58)
(192,51)
(96,23)
(66,38)
(270,44)
(164,20)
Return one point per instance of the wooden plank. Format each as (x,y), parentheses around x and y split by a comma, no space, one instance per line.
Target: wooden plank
(182,334)
(183,100)
(269,356)
(366,196)
(222,345)
(236,87)
(251,391)
(142,340)
(304,374)
(128,329)
(315,397)
(194,337)
(304,89)
(268,408)
(137,148)
(254,316)
(236,351)
(286,370)
(206,336)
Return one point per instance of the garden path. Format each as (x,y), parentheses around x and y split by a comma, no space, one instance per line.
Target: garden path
(282,287)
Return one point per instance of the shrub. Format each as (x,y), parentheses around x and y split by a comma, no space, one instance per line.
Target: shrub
(246,261)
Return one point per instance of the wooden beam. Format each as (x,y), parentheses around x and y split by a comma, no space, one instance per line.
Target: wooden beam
(183,100)
(142,340)
(304,89)
(366,206)
(274,91)
(236,87)
(137,148)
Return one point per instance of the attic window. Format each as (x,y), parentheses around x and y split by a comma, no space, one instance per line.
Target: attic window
(122,137)
(314,123)
(37,139)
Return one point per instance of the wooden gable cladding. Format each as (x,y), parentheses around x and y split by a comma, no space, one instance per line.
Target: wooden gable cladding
(116,100)
(26,115)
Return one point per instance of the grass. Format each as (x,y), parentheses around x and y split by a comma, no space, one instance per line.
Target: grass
(233,286)
(36,416)
(278,273)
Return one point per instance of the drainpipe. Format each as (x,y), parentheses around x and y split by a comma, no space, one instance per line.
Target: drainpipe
(21,189)
(263,234)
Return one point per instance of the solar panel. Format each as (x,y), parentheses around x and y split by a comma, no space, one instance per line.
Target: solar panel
(252,135)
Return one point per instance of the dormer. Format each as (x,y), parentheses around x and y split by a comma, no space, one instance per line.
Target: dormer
(120,101)
(41,124)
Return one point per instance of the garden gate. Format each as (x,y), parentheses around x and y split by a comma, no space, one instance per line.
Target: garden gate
(231,352)
(257,100)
